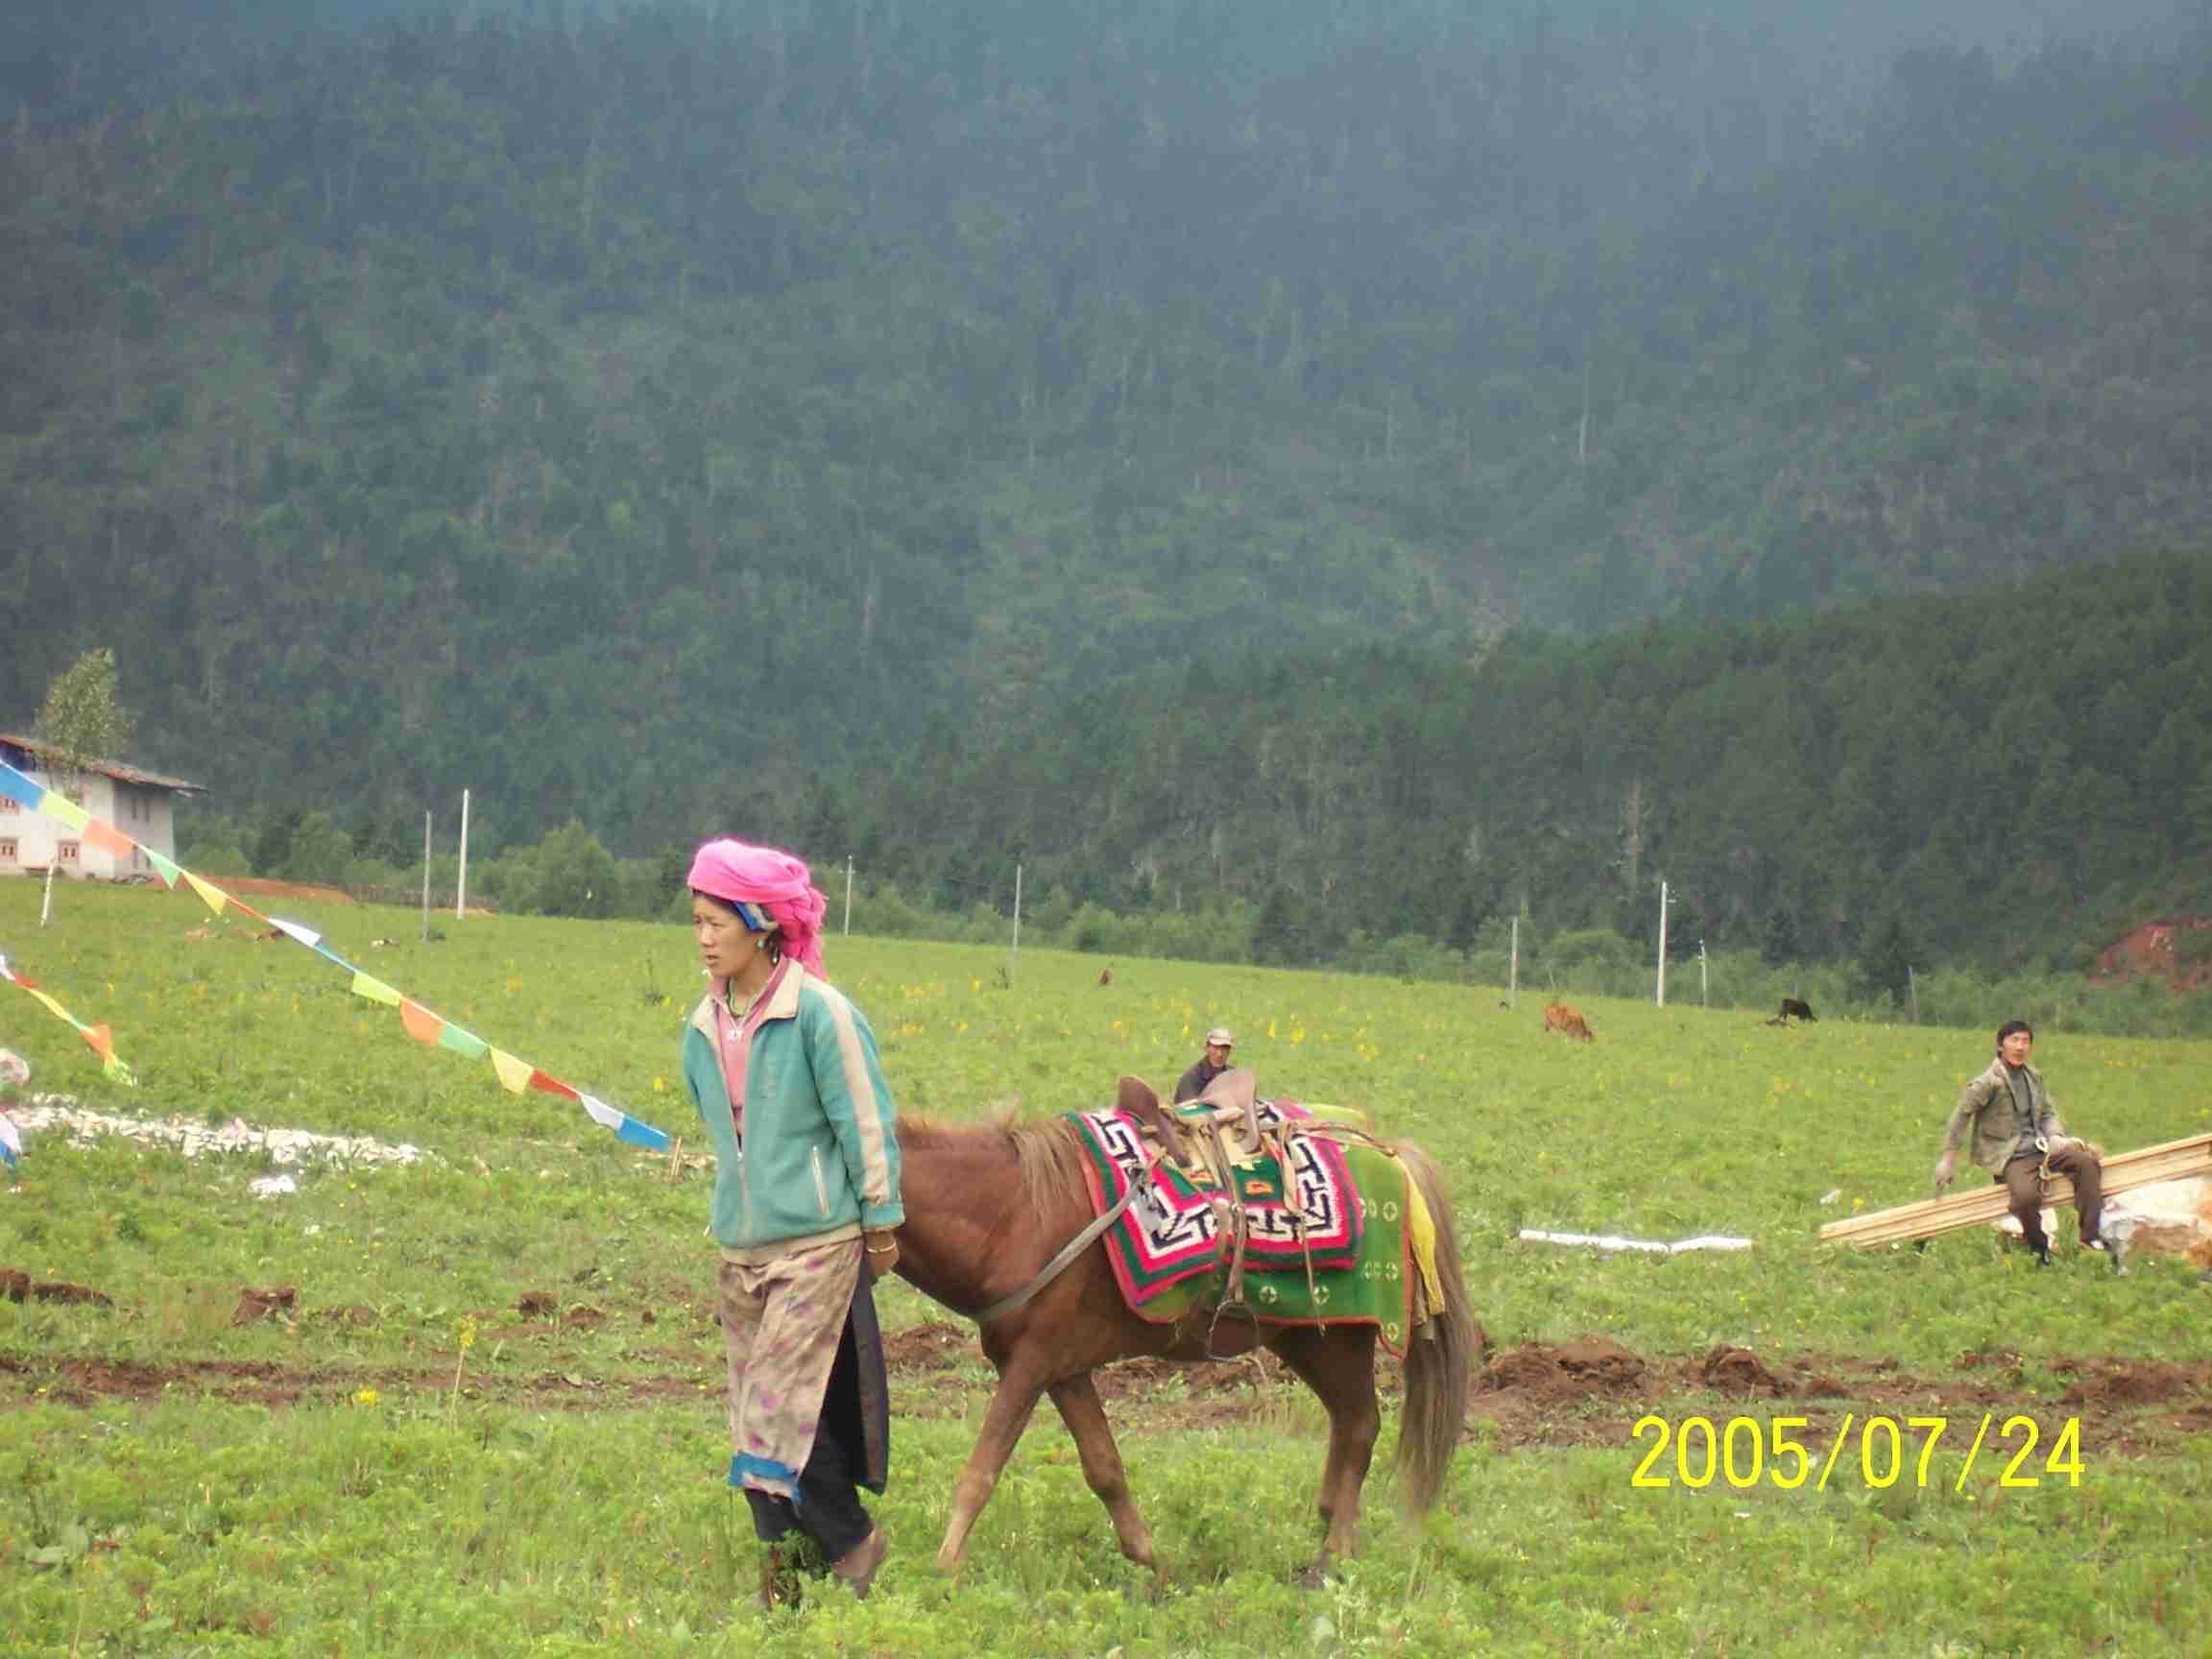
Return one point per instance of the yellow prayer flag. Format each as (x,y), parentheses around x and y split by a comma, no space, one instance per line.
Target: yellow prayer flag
(514,1073)
(56,805)
(375,990)
(213,897)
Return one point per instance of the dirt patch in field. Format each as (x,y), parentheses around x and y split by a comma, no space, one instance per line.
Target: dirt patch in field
(1738,1372)
(1574,1371)
(2124,1406)
(2113,1382)
(932,1347)
(254,1306)
(20,1286)
(1590,1392)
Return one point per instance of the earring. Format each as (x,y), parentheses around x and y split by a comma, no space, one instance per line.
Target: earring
(759,941)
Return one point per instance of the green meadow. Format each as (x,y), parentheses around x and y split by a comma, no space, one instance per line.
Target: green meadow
(410,1465)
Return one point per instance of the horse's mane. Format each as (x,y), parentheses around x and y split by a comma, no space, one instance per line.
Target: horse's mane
(1049,1153)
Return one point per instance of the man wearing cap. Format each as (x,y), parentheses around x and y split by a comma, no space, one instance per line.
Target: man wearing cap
(2017,1136)
(1210,1065)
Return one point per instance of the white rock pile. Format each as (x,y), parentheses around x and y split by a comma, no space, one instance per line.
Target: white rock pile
(49,1113)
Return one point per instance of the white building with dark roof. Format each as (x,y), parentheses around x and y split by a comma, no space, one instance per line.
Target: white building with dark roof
(140,803)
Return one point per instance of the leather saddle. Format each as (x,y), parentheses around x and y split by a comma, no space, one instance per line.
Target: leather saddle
(1229,1108)
(1207,1138)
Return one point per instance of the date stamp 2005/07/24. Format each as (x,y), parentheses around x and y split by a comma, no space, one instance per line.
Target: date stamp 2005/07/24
(1745,1451)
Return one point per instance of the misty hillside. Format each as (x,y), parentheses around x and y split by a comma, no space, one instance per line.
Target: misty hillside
(569,404)
(2012,776)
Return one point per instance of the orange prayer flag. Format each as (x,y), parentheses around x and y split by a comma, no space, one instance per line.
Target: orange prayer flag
(108,839)
(422,1024)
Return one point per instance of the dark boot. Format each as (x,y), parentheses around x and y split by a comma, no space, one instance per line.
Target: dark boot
(858,1566)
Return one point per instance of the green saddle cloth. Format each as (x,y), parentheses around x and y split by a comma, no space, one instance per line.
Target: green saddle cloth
(1377,1291)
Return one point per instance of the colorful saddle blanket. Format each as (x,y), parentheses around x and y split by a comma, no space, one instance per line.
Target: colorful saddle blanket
(1338,1210)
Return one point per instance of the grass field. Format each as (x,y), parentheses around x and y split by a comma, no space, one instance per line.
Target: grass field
(410,1465)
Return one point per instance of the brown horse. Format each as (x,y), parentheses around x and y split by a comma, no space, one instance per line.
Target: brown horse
(987,1207)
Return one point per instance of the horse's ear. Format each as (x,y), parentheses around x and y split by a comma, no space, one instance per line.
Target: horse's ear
(1136,1096)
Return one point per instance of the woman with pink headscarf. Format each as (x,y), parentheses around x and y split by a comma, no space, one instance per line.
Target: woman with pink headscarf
(785,1074)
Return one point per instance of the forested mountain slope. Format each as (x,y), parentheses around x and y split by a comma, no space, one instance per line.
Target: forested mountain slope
(634,415)
(2008,778)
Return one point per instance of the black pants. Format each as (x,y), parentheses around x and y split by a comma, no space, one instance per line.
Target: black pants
(829,1508)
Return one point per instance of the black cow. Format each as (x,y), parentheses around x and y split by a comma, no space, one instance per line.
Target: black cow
(1792,1009)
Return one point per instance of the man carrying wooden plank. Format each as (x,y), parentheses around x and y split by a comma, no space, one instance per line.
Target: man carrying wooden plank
(2020,1140)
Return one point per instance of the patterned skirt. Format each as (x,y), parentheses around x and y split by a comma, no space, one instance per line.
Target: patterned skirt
(782,1322)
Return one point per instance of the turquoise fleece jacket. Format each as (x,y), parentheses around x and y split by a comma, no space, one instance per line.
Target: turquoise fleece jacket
(820,1158)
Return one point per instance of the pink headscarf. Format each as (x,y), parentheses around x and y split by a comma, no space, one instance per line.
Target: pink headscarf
(772,881)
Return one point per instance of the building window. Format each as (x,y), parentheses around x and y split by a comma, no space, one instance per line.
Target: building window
(64,852)
(8,854)
(9,803)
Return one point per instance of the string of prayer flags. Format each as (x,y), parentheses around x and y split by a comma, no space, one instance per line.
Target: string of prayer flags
(98,1037)
(424,1024)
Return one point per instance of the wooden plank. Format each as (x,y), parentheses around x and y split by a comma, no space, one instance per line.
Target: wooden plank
(2168,1161)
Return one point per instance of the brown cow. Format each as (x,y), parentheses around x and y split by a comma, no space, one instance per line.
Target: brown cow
(1565,1021)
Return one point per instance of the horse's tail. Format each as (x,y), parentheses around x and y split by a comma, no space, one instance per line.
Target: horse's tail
(1439,1357)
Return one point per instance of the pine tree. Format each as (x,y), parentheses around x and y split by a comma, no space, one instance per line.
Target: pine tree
(1887,961)
(1279,935)
(1778,946)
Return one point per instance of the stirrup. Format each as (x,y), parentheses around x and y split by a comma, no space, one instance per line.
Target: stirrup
(1238,1308)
